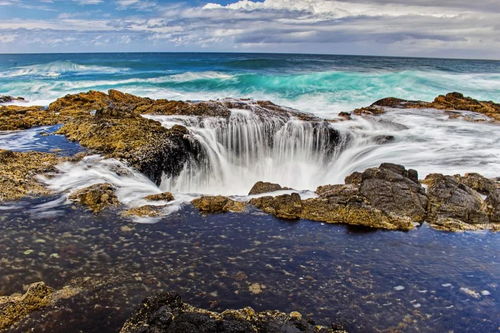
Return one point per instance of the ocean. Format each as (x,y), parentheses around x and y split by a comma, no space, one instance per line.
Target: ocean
(320,84)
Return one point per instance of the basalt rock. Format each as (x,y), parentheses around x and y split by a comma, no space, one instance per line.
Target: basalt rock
(166,312)
(218,204)
(19,171)
(265,187)
(393,189)
(9,99)
(453,101)
(96,197)
(143,143)
(477,182)
(453,205)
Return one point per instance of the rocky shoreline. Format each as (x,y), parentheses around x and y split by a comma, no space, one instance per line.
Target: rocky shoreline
(388,197)
(162,312)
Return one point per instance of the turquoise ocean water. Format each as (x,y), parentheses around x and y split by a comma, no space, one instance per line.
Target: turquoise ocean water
(321,84)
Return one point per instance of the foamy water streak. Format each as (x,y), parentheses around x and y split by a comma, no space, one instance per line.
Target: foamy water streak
(245,149)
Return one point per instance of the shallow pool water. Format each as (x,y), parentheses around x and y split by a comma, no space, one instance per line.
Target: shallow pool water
(371,281)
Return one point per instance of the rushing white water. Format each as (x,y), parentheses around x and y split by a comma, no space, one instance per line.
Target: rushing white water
(246,148)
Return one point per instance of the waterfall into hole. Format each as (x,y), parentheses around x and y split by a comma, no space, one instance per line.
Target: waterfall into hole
(246,148)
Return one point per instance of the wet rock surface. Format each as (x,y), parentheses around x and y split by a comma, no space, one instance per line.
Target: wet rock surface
(454,205)
(391,197)
(166,312)
(218,204)
(38,297)
(19,171)
(8,99)
(96,197)
(144,211)
(165,196)
(453,101)
(265,187)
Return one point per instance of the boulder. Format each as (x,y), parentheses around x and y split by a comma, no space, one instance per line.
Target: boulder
(286,206)
(144,211)
(218,204)
(19,171)
(165,196)
(492,203)
(453,203)
(96,197)
(265,187)
(166,312)
(331,210)
(393,189)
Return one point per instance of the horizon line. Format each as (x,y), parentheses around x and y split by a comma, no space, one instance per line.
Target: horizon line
(234,52)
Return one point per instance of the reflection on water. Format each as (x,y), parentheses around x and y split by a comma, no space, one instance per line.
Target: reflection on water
(422,280)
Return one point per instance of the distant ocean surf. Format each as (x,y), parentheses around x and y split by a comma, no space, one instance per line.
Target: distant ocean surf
(320,84)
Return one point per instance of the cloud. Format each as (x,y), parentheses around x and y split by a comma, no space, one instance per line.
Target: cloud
(457,28)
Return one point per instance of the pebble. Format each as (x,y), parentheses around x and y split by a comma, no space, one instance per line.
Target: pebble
(446,285)
(485,293)
(399,288)
(470,292)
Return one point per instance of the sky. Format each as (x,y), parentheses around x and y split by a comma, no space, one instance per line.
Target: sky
(424,28)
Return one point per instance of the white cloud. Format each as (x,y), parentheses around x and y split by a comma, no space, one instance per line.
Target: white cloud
(88,2)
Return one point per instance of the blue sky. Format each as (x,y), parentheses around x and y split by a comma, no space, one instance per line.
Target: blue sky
(448,28)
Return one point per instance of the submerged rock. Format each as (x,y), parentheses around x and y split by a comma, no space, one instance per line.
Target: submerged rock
(19,171)
(38,296)
(144,211)
(96,197)
(218,204)
(166,312)
(265,187)
(165,196)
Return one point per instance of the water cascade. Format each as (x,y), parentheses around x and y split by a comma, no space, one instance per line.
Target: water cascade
(246,148)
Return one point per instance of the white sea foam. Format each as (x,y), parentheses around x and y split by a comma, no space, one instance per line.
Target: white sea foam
(56,68)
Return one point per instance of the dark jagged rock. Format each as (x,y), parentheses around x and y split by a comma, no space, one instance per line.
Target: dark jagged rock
(453,101)
(96,197)
(166,312)
(453,204)
(218,204)
(265,187)
(9,99)
(477,182)
(393,189)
